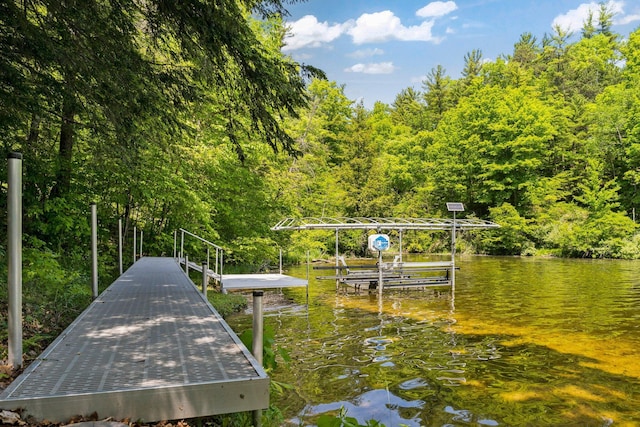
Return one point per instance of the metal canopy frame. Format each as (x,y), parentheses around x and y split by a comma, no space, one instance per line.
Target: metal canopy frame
(375,223)
(378,224)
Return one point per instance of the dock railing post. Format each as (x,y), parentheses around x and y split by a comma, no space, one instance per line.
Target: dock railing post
(175,243)
(14,255)
(181,244)
(94,250)
(141,235)
(135,244)
(205,277)
(257,344)
(120,244)
(186,265)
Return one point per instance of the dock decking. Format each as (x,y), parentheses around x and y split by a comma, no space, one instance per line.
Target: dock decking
(150,348)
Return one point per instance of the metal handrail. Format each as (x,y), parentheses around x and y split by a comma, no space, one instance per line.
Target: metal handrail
(219,250)
(201,239)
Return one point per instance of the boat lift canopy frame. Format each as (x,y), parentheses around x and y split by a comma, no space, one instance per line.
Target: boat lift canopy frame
(379,224)
(363,223)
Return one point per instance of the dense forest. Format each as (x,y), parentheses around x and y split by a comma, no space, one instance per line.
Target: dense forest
(187,114)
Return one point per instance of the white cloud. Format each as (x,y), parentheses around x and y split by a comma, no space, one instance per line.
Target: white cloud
(308,32)
(627,19)
(437,9)
(574,19)
(383,26)
(372,68)
(366,53)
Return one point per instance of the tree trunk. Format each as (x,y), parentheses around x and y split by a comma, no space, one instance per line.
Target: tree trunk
(65,152)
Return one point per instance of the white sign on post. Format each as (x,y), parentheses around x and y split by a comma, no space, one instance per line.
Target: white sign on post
(379,242)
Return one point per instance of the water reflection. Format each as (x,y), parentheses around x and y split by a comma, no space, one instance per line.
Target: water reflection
(530,342)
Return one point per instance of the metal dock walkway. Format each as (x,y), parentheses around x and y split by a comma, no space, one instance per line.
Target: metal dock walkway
(150,348)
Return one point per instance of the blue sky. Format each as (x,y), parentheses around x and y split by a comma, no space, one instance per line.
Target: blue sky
(376,48)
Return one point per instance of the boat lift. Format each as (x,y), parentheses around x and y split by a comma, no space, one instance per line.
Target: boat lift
(396,274)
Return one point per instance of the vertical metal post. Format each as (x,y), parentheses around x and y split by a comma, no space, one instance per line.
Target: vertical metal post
(400,245)
(94,251)
(208,256)
(453,254)
(135,245)
(120,244)
(258,340)
(280,261)
(337,265)
(181,244)
(205,277)
(222,289)
(186,265)
(14,255)
(141,236)
(380,274)
(175,243)
(217,250)
(308,267)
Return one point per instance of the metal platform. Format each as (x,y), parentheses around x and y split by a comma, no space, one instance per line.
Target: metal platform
(260,281)
(150,348)
(237,282)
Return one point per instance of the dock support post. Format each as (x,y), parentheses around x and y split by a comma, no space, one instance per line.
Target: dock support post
(186,265)
(337,264)
(135,244)
(94,250)
(120,245)
(14,255)
(257,344)
(308,267)
(205,277)
(175,243)
(400,251)
(380,275)
(141,235)
(280,261)
(453,254)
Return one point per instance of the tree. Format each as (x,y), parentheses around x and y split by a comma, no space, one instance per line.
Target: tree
(526,50)
(437,94)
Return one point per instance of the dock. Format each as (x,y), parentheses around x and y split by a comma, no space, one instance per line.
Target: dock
(150,348)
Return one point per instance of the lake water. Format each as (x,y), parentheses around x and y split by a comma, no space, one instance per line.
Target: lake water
(524,342)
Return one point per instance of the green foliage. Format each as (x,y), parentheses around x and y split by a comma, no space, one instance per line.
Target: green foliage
(270,353)
(227,304)
(342,420)
(510,238)
(53,296)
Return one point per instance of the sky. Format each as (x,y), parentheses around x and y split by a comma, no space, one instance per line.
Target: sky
(377,48)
